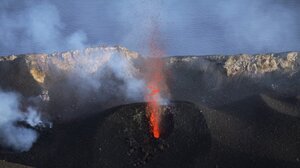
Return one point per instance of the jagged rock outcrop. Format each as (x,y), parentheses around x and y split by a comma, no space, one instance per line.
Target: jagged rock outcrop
(218,80)
(260,64)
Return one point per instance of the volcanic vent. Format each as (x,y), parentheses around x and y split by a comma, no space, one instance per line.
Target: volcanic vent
(124,140)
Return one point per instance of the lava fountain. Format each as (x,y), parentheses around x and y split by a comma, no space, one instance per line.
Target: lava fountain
(154,96)
(156,85)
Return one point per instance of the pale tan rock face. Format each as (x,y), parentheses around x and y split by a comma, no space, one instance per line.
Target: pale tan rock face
(259,64)
(86,75)
(88,60)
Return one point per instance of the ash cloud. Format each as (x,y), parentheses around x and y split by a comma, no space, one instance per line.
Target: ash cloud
(187,27)
(133,87)
(215,26)
(109,75)
(13,136)
(35,26)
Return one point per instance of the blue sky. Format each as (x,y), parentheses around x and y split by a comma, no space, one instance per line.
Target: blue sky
(190,27)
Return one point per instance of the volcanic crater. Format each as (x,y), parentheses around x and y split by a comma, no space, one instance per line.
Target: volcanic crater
(230,111)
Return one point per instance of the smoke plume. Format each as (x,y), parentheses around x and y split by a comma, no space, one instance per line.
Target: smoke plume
(187,27)
(108,74)
(13,136)
(31,26)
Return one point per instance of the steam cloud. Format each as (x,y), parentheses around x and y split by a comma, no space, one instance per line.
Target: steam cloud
(215,26)
(109,75)
(12,136)
(30,26)
(187,27)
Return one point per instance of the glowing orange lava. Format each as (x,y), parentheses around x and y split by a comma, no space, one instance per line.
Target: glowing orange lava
(153,111)
(155,82)
(153,98)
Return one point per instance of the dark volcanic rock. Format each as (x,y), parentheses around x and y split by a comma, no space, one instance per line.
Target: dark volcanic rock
(124,138)
(16,76)
(255,112)
(120,137)
(11,165)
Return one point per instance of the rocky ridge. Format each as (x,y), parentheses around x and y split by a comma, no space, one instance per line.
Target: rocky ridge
(44,74)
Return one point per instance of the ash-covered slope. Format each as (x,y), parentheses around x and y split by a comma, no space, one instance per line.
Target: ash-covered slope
(11,165)
(254,100)
(218,80)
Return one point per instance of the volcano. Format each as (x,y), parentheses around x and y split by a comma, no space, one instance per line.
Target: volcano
(228,111)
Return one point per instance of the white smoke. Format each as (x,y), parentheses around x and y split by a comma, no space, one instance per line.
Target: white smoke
(110,74)
(212,26)
(125,71)
(11,135)
(35,27)
(187,27)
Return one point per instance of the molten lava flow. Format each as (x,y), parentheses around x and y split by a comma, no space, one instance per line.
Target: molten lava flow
(155,82)
(153,111)
(153,106)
